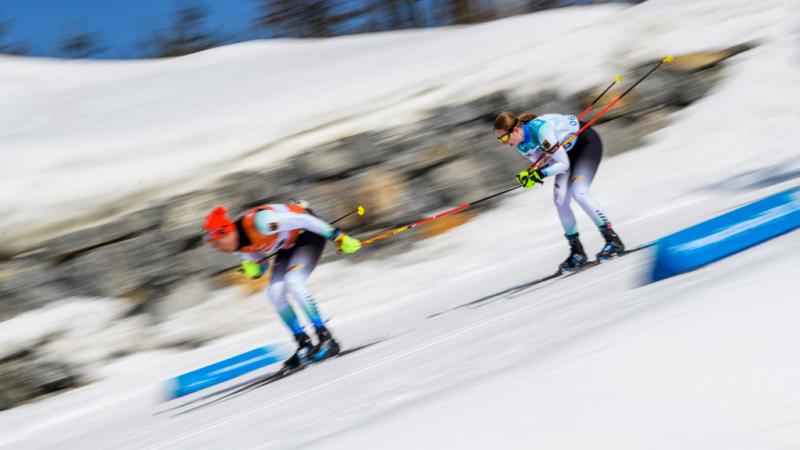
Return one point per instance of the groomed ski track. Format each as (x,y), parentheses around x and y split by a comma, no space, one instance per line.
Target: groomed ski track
(596,359)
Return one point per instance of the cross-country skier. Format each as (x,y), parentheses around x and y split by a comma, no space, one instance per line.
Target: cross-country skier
(296,238)
(540,139)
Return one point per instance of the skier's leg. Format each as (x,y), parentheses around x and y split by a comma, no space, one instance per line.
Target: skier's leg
(302,262)
(277,295)
(562,199)
(584,168)
(276,291)
(583,172)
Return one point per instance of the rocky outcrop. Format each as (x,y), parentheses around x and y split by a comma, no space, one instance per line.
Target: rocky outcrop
(24,378)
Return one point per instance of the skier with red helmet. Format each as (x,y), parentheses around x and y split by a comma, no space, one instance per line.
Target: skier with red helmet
(296,238)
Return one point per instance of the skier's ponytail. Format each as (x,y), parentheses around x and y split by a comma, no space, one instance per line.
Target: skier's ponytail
(507,120)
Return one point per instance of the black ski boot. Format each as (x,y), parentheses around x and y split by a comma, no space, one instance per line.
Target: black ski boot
(301,357)
(614,246)
(577,257)
(327,346)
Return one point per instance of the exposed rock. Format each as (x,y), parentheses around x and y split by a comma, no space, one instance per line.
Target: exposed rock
(697,61)
(424,154)
(483,109)
(548,102)
(25,379)
(203,261)
(22,274)
(260,187)
(49,375)
(19,301)
(332,199)
(390,200)
(125,227)
(694,86)
(617,136)
(191,209)
(116,269)
(341,158)
(673,85)
(458,181)
(28,283)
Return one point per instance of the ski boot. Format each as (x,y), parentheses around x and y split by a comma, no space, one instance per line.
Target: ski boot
(614,246)
(577,257)
(301,357)
(327,346)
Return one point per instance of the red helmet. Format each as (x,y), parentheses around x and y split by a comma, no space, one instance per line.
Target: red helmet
(218,224)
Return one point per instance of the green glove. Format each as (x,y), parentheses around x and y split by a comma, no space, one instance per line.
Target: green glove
(347,244)
(529,179)
(252,270)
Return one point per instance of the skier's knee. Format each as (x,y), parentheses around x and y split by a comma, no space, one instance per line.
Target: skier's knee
(277,292)
(561,199)
(580,194)
(295,282)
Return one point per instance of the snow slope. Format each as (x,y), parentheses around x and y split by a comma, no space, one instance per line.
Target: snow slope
(598,360)
(701,361)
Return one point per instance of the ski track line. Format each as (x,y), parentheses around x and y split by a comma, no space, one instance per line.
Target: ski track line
(412,350)
(29,431)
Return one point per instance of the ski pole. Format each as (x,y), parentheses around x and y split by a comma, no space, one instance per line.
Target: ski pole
(544,159)
(360,211)
(617,79)
(665,60)
(369,241)
(436,216)
(466,206)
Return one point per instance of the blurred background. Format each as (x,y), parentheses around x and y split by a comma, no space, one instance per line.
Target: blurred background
(120,29)
(122,124)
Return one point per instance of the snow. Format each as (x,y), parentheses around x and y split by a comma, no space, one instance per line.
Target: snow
(87,141)
(72,314)
(598,360)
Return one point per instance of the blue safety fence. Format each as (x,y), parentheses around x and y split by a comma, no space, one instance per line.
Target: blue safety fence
(225,370)
(727,234)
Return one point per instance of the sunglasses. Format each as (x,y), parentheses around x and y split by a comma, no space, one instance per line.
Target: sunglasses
(212,235)
(504,138)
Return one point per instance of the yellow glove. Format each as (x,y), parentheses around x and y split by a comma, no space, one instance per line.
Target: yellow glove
(252,270)
(347,244)
(529,179)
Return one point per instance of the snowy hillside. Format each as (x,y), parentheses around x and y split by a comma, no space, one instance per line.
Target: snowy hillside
(80,141)
(706,360)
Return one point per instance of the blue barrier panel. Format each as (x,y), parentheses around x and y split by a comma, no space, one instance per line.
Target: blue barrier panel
(725,235)
(225,370)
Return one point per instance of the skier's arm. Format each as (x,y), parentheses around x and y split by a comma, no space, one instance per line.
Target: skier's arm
(548,141)
(253,265)
(560,163)
(271,222)
(538,158)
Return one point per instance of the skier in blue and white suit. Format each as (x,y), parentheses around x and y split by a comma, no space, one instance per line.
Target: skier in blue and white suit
(540,139)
